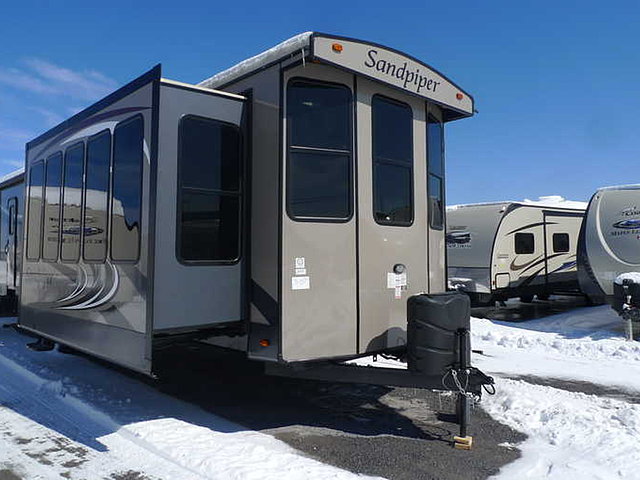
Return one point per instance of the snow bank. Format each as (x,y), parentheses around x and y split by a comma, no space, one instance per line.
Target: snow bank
(586,344)
(571,435)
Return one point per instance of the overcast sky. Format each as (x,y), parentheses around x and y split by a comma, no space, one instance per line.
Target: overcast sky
(555,82)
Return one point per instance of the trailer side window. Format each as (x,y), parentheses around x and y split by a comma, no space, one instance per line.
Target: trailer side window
(127,189)
(209,195)
(560,242)
(96,197)
(524,243)
(72,202)
(319,137)
(34,222)
(53,182)
(392,136)
(435,152)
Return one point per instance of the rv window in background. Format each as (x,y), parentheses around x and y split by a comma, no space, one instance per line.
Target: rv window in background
(34,222)
(319,151)
(53,182)
(209,191)
(524,243)
(12,213)
(127,189)
(435,149)
(96,197)
(560,242)
(72,202)
(392,137)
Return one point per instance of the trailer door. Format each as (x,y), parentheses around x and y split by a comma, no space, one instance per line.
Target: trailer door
(392,214)
(561,238)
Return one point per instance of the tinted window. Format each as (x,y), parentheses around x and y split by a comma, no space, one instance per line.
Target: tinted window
(436,203)
(524,243)
(53,182)
(319,115)
(209,185)
(34,223)
(96,197)
(319,155)
(560,242)
(435,158)
(392,162)
(72,202)
(127,190)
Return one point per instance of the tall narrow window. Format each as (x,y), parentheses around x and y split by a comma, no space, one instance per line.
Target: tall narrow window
(96,197)
(53,181)
(127,189)
(72,203)
(209,191)
(34,222)
(319,161)
(392,162)
(435,149)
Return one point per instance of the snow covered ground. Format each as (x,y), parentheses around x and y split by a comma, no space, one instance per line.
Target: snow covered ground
(97,423)
(570,382)
(571,434)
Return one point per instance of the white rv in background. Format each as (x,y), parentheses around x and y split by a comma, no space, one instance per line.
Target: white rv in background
(609,241)
(497,251)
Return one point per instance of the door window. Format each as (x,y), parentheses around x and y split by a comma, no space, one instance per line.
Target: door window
(319,160)
(392,161)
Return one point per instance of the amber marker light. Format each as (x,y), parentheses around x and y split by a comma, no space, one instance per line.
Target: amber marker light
(264,342)
(459,96)
(336,47)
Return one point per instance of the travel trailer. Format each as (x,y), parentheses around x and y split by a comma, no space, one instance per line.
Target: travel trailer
(293,204)
(609,242)
(11,213)
(497,251)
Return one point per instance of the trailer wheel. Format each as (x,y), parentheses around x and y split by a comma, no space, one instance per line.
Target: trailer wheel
(526,298)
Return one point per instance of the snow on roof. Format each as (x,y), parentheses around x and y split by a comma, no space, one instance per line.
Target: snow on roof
(288,47)
(551,201)
(12,175)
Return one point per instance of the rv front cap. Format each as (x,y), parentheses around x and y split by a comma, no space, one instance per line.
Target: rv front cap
(413,78)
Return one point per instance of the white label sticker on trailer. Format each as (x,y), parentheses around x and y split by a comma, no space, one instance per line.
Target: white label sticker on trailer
(398,292)
(300,263)
(301,271)
(396,280)
(300,283)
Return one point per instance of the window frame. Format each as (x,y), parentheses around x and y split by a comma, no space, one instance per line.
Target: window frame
(112,171)
(28,217)
(564,235)
(431,116)
(515,243)
(240,194)
(321,150)
(85,176)
(394,163)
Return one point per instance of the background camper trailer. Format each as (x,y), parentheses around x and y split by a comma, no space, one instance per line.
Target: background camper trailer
(609,250)
(498,251)
(298,209)
(11,211)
